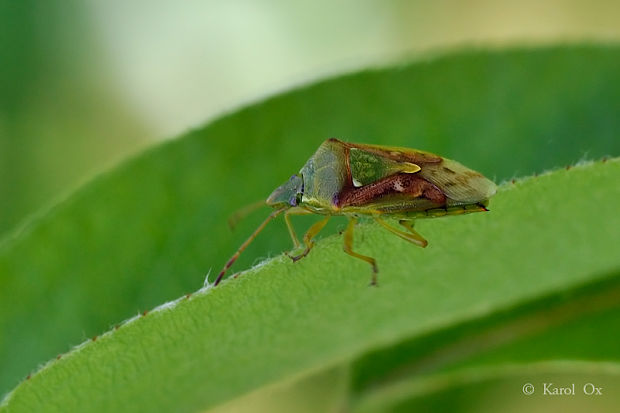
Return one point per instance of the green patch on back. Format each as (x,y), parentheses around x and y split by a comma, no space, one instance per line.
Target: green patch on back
(368,167)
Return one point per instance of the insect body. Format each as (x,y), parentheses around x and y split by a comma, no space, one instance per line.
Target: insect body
(356,180)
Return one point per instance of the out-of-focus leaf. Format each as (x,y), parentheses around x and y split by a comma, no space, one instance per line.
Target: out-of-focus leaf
(148,231)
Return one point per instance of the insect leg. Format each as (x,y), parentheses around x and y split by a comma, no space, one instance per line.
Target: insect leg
(348,248)
(245,245)
(314,229)
(289,225)
(409,225)
(411,236)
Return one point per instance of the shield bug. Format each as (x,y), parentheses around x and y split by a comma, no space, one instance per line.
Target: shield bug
(357,180)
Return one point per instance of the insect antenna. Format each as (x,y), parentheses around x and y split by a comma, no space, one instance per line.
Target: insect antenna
(246,243)
(243,212)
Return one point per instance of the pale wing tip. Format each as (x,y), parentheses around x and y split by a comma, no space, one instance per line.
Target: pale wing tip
(483,188)
(491,189)
(475,190)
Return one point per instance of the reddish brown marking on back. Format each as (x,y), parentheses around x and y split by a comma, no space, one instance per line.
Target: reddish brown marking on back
(568,167)
(28,377)
(116,327)
(58,357)
(404,183)
(187,296)
(397,155)
(347,166)
(94,338)
(465,177)
(145,312)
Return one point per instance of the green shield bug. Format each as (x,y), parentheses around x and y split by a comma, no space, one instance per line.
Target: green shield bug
(357,180)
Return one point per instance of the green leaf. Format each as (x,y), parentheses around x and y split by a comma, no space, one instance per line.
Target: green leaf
(147,232)
(284,318)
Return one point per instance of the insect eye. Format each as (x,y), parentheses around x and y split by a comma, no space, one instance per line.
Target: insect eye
(293,201)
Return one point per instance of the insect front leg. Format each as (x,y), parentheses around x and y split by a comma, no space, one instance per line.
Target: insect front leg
(289,225)
(312,232)
(348,248)
(243,246)
(411,236)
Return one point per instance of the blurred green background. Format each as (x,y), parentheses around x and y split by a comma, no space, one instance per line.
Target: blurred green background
(86,84)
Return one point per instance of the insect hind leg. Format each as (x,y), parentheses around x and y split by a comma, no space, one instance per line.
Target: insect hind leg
(348,248)
(411,236)
(409,225)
